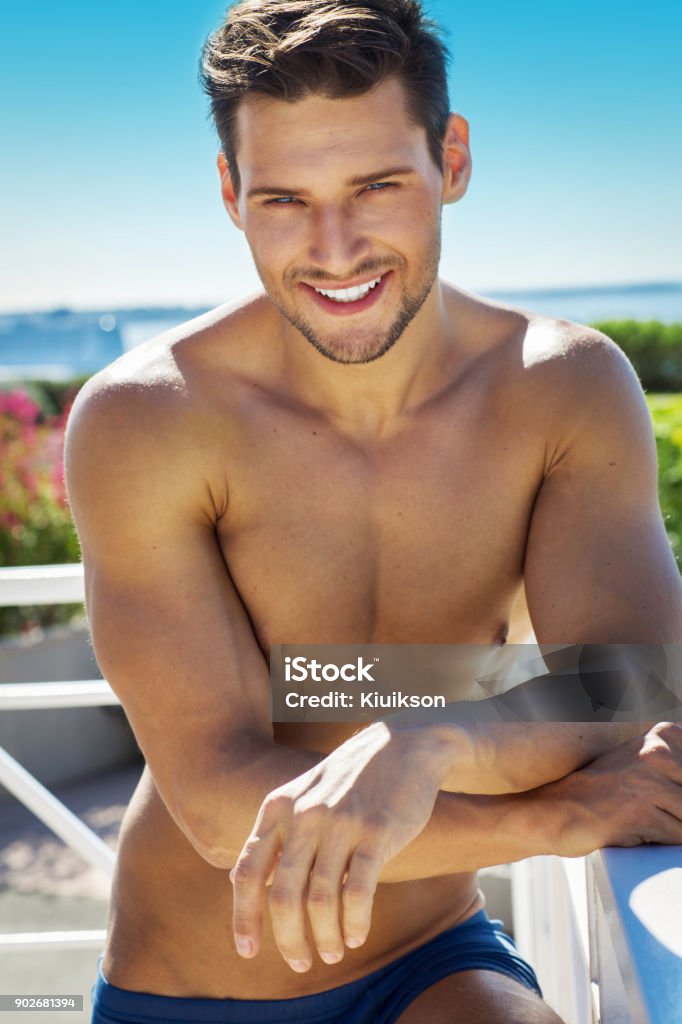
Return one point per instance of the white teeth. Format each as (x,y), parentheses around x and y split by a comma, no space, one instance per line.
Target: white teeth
(349,294)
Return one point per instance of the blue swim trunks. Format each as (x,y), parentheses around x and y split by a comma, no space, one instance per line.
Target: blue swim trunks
(378,998)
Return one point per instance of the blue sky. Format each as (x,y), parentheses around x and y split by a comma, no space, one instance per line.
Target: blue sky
(109,192)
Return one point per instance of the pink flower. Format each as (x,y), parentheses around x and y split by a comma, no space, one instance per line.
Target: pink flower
(19,406)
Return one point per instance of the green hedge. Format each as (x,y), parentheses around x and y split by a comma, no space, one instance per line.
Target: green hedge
(666,412)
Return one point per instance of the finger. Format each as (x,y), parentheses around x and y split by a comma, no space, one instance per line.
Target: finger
(249,875)
(358,895)
(286,902)
(270,877)
(661,757)
(324,900)
(669,733)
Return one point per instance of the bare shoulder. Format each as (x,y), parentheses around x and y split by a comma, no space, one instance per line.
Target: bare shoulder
(169,370)
(529,350)
(150,416)
(133,398)
(573,355)
(167,383)
(589,387)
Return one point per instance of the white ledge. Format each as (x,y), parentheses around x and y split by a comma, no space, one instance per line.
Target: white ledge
(21,942)
(641,892)
(77,693)
(41,584)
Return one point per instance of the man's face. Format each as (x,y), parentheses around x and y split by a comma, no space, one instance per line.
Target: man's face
(338,195)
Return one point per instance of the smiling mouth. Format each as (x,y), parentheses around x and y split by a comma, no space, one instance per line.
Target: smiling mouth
(349,294)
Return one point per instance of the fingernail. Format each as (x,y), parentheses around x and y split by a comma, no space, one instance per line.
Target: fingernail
(353,941)
(299,965)
(244,945)
(232,875)
(331,958)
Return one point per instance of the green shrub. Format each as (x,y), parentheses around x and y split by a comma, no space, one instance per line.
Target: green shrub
(666,412)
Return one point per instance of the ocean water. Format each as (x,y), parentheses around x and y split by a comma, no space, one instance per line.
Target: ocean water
(592,305)
(62,344)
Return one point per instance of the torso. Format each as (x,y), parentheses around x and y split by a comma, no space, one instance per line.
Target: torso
(416,538)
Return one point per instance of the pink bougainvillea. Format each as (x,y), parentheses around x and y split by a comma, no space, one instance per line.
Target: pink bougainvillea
(19,406)
(35,523)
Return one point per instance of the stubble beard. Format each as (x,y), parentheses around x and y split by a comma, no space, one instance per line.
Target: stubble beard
(344,348)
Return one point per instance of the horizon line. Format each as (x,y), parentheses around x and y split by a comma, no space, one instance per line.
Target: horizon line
(532,292)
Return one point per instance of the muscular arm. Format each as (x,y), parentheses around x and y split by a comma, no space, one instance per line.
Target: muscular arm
(169,630)
(467,832)
(599,570)
(598,565)
(629,795)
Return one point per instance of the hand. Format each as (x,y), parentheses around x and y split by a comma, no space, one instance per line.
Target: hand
(630,795)
(322,839)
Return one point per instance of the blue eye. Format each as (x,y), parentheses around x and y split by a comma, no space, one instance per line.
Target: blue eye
(380,186)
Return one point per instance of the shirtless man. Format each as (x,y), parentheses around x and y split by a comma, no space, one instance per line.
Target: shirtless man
(386,465)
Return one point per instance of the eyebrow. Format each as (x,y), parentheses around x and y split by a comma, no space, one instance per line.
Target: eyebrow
(357,182)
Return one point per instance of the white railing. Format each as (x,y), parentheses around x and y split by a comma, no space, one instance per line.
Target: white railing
(551,929)
(604,932)
(51,584)
(637,933)
(41,584)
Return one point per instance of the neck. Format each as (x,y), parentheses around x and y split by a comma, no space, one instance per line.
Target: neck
(372,399)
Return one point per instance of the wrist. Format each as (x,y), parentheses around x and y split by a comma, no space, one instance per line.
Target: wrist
(549,819)
(460,754)
(577,830)
(524,824)
(448,749)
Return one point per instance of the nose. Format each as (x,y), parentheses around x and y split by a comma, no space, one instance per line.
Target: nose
(336,242)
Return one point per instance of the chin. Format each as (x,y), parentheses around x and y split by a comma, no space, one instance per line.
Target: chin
(365,350)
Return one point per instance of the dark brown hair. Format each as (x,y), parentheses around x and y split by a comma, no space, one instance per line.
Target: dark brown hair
(290,49)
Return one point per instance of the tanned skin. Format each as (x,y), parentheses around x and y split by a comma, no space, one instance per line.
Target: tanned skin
(278,472)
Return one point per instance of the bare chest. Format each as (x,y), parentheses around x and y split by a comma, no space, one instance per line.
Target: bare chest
(417,539)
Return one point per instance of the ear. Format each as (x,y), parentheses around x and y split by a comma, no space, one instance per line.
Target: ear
(228,193)
(456,158)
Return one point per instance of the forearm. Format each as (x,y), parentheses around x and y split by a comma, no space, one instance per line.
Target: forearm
(573,816)
(515,757)
(553,724)
(467,832)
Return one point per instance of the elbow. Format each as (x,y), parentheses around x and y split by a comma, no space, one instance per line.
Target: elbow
(215,849)
(215,854)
